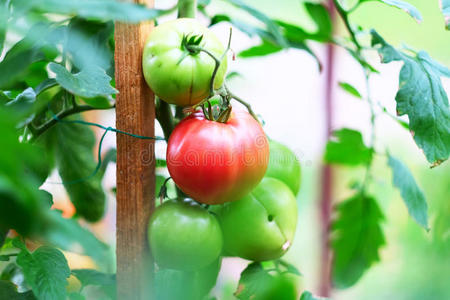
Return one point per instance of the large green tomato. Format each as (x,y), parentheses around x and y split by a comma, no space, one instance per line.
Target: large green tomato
(284,166)
(176,75)
(261,225)
(184,236)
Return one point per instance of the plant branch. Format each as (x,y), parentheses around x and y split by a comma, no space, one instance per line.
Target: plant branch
(61,115)
(246,104)
(344,15)
(165,117)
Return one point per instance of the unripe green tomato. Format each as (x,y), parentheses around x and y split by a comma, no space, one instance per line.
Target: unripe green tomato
(284,166)
(173,73)
(184,236)
(261,225)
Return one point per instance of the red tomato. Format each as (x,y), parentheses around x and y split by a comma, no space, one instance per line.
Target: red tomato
(216,162)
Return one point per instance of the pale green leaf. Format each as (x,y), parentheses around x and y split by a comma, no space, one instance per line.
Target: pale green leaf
(412,195)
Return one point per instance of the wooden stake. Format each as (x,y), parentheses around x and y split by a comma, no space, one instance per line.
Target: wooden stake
(135,113)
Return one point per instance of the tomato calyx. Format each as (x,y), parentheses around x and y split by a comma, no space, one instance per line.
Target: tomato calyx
(191,43)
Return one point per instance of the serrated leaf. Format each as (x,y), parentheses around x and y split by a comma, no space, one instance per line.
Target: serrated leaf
(260,50)
(421,97)
(46,271)
(350,89)
(405,6)
(308,296)
(91,82)
(411,194)
(348,149)
(357,237)
(445,7)
(101,10)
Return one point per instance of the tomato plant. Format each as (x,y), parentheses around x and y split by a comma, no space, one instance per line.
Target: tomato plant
(184,236)
(216,162)
(176,73)
(231,191)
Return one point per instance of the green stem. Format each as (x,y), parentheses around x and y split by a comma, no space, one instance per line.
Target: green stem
(344,15)
(61,115)
(372,130)
(187,8)
(248,106)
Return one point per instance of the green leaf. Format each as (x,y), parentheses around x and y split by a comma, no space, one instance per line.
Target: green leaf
(405,6)
(89,83)
(94,277)
(260,50)
(357,237)
(421,97)
(101,10)
(271,25)
(3,234)
(445,7)
(257,283)
(350,89)
(308,296)
(412,195)
(4,15)
(320,15)
(46,271)
(347,149)
(9,291)
(74,145)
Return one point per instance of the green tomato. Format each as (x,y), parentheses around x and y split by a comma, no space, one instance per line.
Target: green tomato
(171,284)
(261,225)
(284,166)
(173,73)
(184,236)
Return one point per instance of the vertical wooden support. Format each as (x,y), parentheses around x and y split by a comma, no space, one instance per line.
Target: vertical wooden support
(135,113)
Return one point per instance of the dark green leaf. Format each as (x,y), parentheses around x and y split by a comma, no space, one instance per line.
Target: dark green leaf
(3,234)
(287,267)
(89,83)
(271,25)
(102,10)
(350,89)
(74,145)
(445,6)
(412,195)
(347,149)
(260,50)
(308,296)
(8,291)
(46,271)
(421,97)
(356,239)
(405,6)
(76,296)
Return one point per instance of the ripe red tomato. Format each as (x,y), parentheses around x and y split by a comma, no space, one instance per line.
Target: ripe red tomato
(217,162)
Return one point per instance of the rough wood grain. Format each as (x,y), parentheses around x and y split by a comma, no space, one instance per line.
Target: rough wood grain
(135,113)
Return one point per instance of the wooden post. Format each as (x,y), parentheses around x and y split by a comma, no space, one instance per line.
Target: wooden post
(135,113)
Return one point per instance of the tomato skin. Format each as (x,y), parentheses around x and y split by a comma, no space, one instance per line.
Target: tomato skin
(216,162)
(261,225)
(181,81)
(184,236)
(284,166)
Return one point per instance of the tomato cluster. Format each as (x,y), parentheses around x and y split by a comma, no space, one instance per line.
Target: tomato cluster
(241,188)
